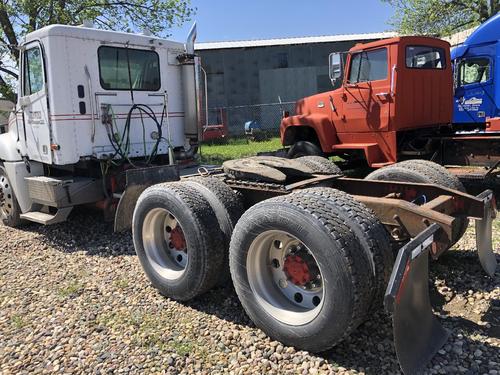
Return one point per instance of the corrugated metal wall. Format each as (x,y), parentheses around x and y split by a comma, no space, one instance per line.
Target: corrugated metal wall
(239,77)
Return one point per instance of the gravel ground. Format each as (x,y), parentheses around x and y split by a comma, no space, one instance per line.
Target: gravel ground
(73,299)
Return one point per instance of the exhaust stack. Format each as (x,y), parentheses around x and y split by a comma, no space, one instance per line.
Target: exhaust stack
(192,98)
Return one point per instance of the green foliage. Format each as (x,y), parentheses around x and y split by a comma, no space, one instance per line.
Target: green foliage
(18,321)
(440,17)
(236,148)
(20,17)
(73,289)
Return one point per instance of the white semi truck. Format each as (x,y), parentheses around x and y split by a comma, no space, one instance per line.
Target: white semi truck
(105,118)
(91,105)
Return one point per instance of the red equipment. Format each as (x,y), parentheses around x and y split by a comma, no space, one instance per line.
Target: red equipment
(216,131)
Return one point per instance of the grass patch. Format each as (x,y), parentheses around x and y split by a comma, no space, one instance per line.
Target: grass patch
(121,283)
(73,289)
(18,321)
(182,348)
(148,331)
(216,153)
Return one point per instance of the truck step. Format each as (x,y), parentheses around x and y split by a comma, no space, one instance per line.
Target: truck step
(47,219)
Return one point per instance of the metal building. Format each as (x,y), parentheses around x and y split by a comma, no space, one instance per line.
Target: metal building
(247,78)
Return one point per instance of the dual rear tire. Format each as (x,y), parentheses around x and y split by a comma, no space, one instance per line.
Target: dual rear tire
(181,233)
(426,172)
(308,267)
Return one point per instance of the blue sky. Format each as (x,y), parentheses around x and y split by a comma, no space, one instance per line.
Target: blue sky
(221,20)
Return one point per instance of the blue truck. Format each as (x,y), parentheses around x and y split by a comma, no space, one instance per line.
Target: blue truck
(477,78)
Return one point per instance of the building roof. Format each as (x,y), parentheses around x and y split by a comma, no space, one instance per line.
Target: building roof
(288,41)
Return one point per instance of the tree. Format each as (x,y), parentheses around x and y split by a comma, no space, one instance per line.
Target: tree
(440,17)
(18,18)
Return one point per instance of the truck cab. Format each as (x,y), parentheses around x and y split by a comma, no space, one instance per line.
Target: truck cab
(99,113)
(476,101)
(387,90)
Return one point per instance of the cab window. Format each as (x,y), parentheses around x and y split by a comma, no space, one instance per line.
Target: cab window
(129,69)
(368,66)
(473,71)
(425,57)
(33,71)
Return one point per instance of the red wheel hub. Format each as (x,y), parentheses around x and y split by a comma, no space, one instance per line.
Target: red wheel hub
(177,238)
(297,270)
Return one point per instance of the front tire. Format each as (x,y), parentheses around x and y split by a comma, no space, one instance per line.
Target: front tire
(304,148)
(9,207)
(178,240)
(300,272)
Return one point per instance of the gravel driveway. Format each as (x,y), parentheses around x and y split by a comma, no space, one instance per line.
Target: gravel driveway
(74,299)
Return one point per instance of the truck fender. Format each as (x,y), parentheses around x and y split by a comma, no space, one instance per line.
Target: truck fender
(319,124)
(16,172)
(8,149)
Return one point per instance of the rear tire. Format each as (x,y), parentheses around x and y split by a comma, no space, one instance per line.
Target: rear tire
(441,176)
(228,209)
(9,207)
(316,237)
(178,240)
(320,165)
(370,232)
(426,172)
(438,172)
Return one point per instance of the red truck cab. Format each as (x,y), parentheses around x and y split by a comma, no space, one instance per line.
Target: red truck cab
(389,90)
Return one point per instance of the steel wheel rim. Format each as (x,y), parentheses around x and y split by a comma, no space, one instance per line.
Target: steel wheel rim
(168,260)
(6,197)
(272,286)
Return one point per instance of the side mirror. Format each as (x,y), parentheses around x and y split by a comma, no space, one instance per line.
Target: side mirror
(456,68)
(335,66)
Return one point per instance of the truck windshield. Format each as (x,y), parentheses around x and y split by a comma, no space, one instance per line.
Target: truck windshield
(127,68)
(474,70)
(425,57)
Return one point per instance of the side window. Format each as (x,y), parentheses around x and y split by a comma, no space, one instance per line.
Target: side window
(368,66)
(33,71)
(473,71)
(125,69)
(424,57)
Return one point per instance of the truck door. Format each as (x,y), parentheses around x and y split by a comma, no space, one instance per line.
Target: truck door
(34,133)
(367,92)
(474,98)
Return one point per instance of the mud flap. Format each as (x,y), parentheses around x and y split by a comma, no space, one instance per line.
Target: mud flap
(418,335)
(484,245)
(138,180)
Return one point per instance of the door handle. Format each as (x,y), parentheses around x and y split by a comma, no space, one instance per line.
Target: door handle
(382,94)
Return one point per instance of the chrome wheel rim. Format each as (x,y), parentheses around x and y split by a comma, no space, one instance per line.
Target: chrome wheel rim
(285,277)
(164,244)
(6,197)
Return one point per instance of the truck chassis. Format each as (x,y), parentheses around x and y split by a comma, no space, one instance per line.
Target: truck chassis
(189,232)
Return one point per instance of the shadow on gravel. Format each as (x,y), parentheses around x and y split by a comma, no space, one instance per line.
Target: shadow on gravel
(85,231)
(462,272)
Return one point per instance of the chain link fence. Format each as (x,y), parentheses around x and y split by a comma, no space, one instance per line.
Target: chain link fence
(260,118)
